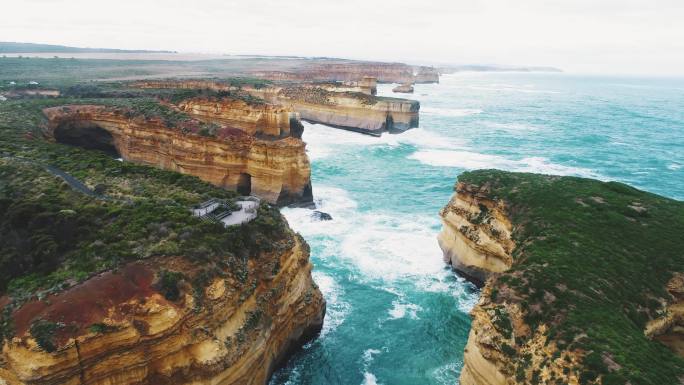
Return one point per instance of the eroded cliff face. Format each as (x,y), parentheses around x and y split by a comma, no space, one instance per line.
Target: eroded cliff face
(489,354)
(368,85)
(355,71)
(476,233)
(277,170)
(476,241)
(233,326)
(352,111)
(331,104)
(669,328)
(423,74)
(254,119)
(526,328)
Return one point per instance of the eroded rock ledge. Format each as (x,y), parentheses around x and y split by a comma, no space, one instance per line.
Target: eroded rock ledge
(355,71)
(349,110)
(268,120)
(275,170)
(139,326)
(326,103)
(556,308)
(476,233)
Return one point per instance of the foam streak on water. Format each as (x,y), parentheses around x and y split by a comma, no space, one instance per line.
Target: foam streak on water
(395,314)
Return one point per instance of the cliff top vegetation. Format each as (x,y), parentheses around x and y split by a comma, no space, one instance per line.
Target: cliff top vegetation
(53,237)
(592,262)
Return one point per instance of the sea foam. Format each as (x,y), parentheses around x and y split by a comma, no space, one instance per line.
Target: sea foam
(473,160)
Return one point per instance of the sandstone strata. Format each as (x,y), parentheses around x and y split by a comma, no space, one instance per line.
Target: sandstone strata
(367,85)
(325,104)
(278,170)
(549,312)
(669,328)
(254,119)
(355,71)
(352,111)
(120,328)
(476,233)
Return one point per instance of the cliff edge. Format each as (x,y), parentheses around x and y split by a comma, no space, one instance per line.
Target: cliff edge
(582,280)
(123,285)
(275,168)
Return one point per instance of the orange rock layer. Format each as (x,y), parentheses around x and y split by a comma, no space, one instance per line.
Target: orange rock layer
(254,119)
(328,104)
(118,328)
(347,110)
(278,170)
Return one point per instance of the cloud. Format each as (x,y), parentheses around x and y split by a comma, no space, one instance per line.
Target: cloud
(644,36)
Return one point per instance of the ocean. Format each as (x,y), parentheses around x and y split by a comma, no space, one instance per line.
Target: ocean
(396,314)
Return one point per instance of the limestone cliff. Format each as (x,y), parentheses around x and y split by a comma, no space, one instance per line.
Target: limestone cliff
(348,110)
(325,103)
(476,233)
(255,119)
(403,88)
(567,299)
(367,85)
(276,170)
(354,71)
(669,327)
(138,326)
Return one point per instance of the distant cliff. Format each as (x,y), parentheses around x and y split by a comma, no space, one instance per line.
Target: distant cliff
(582,280)
(331,104)
(353,111)
(355,71)
(262,119)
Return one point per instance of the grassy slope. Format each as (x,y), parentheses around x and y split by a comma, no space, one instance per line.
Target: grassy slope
(57,72)
(614,260)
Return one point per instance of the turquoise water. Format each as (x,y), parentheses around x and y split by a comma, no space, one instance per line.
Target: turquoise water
(396,315)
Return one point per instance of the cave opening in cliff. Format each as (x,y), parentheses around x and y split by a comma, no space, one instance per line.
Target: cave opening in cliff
(244,186)
(86,135)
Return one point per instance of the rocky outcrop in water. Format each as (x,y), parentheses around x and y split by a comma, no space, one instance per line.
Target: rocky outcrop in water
(260,119)
(275,170)
(403,88)
(669,327)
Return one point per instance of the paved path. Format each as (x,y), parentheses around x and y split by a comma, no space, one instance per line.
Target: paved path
(72,182)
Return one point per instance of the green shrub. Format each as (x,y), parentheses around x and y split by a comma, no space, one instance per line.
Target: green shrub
(44,334)
(168,284)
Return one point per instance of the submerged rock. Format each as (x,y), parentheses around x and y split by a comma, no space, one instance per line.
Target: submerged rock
(403,88)
(321,216)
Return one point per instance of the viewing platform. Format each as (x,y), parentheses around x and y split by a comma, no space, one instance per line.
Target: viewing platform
(218,210)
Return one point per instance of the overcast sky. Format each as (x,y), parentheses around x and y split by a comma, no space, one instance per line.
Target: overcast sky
(597,36)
